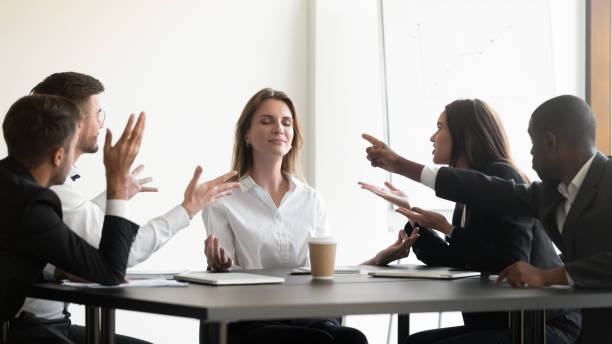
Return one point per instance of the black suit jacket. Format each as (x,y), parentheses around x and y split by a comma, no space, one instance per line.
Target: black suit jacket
(32,233)
(489,242)
(586,239)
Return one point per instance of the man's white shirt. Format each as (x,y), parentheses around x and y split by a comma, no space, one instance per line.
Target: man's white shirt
(256,234)
(86,217)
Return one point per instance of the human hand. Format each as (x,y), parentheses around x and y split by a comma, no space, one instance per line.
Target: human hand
(215,255)
(380,155)
(391,194)
(398,250)
(427,218)
(119,158)
(197,196)
(61,274)
(135,185)
(521,274)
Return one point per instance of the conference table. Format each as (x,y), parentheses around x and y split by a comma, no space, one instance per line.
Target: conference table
(301,297)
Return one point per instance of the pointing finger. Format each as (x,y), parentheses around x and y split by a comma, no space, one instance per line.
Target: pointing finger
(370,138)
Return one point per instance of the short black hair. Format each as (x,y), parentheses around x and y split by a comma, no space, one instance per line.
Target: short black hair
(75,86)
(38,124)
(567,116)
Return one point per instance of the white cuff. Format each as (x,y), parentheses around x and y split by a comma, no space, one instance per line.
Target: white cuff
(450,233)
(428,176)
(118,207)
(100,200)
(570,280)
(49,273)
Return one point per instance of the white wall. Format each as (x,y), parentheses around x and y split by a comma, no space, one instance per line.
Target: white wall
(191,65)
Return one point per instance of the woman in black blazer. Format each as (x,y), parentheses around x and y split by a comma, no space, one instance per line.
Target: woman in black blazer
(470,136)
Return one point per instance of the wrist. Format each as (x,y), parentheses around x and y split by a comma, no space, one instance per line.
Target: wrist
(116,189)
(555,276)
(447,228)
(190,210)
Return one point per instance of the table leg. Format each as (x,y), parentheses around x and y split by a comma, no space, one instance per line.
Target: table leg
(92,324)
(403,327)
(213,332)
(516,327)
(537,322)
(108,326)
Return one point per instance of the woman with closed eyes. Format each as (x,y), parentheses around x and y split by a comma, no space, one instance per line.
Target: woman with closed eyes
(267,221)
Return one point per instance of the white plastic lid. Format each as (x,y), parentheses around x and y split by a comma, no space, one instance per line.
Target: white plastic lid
(322,240)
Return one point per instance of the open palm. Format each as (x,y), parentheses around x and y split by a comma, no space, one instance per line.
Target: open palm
(391,193)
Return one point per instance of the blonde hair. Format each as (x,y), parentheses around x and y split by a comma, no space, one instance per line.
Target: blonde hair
(242,158)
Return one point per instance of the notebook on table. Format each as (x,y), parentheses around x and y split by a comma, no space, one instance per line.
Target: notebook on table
(305,270)
(227,278)
(425,272)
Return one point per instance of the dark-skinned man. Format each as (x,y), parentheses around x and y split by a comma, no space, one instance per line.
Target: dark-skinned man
(573,201)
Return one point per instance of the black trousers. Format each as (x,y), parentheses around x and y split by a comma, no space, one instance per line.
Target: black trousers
(563,328)
(296,331)
(28,328)
(468,334)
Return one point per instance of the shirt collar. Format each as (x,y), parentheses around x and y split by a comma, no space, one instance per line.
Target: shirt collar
(73,171)
(570,191)
(247,183)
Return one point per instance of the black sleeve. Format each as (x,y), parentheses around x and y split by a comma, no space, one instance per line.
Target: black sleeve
(490,241)
(48,238)
(492,194)
(593,271)
(430,248)
(504,239)
(508,241)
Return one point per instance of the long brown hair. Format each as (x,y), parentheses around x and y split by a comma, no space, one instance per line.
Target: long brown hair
(242,159)
(477,133)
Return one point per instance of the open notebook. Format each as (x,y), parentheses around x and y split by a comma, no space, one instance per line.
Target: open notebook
(305,270)
(424,272)
(226,278)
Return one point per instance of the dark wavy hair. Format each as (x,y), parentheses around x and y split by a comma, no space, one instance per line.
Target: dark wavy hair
(38,124)
(477,133)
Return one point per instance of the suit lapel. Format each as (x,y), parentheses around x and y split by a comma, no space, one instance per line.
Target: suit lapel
(585,195)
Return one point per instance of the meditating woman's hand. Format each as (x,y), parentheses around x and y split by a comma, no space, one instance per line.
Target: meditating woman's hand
(391,193)
(398,250)
(215,255)
(427,218)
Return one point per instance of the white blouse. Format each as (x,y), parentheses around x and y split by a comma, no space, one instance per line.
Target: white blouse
(258,235)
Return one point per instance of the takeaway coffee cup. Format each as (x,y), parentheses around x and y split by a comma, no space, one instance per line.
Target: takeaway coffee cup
(322,257)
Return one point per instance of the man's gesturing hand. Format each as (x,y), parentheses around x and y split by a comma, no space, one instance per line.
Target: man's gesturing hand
(136,185)
(119,158)
(197,196)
